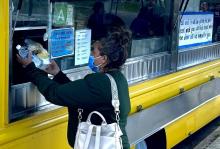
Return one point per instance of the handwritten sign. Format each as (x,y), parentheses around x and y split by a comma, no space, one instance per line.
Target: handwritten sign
(82,46)
(61,42)
(195,29)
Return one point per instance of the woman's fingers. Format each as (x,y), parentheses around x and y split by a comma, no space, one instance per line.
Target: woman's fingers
(29,55)
(19,59)
(24,61)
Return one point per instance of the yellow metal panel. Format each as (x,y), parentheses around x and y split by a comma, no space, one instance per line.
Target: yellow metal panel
(182,128)
(147,86)
(132,147)
(176,132)
(216,107)
(32,125)
(166,92)
(205,115)
(4,42)
(51,138)
(190,124)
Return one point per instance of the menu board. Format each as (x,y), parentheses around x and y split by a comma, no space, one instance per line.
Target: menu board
(195,29)
(61,42)
(82,46)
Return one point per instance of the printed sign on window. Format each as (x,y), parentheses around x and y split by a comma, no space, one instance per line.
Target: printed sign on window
(195,29)
(61,42)
(82,46)
(62,14)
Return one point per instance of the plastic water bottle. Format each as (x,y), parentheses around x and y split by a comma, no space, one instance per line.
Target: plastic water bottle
(37,61)
(22,51)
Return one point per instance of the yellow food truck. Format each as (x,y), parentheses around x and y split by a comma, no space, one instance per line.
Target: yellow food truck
(173,66)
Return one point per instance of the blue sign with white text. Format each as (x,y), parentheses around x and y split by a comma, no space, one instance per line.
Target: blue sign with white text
(61,42)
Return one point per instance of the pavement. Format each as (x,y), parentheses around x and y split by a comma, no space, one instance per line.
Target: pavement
(206,138)
(215,144)
(211,141)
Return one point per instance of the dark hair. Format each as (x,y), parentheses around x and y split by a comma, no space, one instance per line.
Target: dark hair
(115,46)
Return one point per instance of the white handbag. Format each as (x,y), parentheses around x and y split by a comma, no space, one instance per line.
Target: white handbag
(104,136)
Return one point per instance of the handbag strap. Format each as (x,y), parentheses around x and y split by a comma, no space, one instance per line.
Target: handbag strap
(115,100)
(98,137)
(114,89)
(89,135)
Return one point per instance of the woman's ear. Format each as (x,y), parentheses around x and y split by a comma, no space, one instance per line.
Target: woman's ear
(104,63)
(105,58)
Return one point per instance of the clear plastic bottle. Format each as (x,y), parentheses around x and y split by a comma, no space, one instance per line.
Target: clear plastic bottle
(40,56)
(37,61)
(22,51)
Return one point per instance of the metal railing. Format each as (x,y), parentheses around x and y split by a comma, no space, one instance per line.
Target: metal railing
(145,67)
(197,55)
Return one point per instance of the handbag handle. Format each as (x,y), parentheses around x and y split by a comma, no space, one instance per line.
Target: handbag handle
(99,114)
(97,137)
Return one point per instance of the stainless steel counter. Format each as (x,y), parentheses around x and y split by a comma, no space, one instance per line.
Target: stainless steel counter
(197,55)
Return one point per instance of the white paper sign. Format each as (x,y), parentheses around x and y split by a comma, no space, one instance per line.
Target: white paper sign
(69,18)
(82,46)
(195,29)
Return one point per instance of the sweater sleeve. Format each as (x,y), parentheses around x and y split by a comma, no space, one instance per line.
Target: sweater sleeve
(61,78)
(74,93)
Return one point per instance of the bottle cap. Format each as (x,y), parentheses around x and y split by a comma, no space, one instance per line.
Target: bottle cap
(18,47)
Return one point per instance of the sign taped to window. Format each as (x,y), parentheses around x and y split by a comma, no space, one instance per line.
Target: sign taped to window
(82,46)
(63,14)
(61,42)
(195,29)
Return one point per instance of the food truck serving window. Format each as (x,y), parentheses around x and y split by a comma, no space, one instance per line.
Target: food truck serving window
(200,24)
(66,30)
(199,32)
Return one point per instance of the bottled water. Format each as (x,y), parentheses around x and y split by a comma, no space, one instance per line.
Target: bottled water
(22,51)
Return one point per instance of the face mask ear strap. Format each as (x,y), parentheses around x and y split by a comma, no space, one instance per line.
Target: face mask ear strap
(97,57)
(99,65)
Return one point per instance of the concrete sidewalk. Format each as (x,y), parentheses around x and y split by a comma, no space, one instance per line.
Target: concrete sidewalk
(212,141)
(215,144)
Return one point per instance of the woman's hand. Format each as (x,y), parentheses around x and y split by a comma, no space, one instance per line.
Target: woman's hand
(24,61)
(52,68)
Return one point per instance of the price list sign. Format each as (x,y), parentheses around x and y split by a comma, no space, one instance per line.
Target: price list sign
(61,42)
(82,46)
